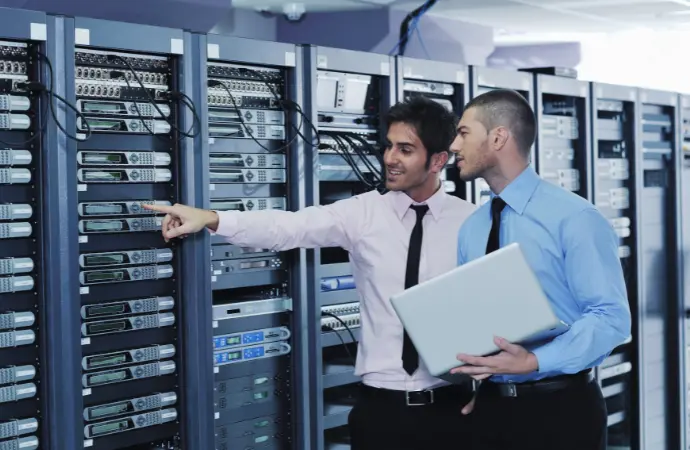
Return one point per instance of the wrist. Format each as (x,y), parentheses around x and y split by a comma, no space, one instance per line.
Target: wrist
(212,221)
(533,362)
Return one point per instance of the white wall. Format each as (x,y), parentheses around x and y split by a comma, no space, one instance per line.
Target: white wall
(643,58)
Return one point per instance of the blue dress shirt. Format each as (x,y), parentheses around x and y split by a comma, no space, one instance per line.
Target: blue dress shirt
(573,250)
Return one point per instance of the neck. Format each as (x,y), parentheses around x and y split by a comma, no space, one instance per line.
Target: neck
(425,191)
(499,177)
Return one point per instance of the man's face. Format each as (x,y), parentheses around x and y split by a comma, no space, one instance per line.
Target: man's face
(405,159)
(471,147)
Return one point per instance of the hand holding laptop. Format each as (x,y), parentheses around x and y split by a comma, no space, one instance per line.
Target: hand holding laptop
(512,359)
(465,309)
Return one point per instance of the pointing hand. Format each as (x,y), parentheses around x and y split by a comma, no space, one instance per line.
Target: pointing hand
(181,220)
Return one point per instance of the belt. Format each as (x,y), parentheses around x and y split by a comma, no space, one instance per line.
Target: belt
(536,387)
(455,394)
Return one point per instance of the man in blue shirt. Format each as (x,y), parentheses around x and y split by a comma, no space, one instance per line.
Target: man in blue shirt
(543,397)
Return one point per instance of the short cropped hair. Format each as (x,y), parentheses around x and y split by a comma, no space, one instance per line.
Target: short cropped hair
(435,126)
(508,108)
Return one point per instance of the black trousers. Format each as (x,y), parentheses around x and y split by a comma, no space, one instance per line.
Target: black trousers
(377,423)
(572,418)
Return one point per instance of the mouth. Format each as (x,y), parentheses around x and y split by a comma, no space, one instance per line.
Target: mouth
(394,173)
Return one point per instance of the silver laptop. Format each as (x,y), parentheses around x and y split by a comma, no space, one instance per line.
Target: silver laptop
(462,310)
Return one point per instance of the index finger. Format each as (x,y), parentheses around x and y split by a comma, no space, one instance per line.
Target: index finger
(159,208)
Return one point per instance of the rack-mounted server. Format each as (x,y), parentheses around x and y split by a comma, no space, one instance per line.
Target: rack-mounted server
(563,155)
(22,243)
(255,142)
(657,226)
(130,140)
(484,79)
(348,94)
(447,84)
(615,146)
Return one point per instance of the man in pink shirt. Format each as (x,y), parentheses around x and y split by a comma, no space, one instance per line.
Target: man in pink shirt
(396,240)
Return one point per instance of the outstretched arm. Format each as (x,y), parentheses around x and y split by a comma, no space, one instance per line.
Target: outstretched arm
(334,225)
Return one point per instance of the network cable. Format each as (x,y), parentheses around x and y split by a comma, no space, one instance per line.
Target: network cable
(181,96)
(41,89)
(286,106)
(342,341)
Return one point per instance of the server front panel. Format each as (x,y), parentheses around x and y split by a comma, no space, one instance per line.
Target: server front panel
(128,155)
(251,135)
(22,299)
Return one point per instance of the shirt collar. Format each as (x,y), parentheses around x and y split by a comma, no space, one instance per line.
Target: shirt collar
(518,193)
(402,202)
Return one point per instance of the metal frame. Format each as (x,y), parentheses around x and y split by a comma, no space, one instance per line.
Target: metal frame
(438,71)
(253,52)
(348,61)
(116,36)
(661,98)
(684,292)
(549,84)
(601,91)
(502,79)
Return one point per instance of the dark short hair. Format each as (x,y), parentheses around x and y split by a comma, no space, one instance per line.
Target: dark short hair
(508,108)
(435,126)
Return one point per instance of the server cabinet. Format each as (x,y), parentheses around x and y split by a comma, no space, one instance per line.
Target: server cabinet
(347,94)
(484,79)
(131,144)
(615,143)
(24,378)
(563,153)
(683,335)
(446,83)
(657,220)
(255,162)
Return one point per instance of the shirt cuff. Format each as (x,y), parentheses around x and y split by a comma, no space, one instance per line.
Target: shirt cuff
(547,357)
(227,223)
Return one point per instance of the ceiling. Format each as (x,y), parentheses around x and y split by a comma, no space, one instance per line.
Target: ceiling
(518,17)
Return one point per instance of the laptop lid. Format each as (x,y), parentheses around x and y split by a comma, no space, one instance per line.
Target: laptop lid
(462,310)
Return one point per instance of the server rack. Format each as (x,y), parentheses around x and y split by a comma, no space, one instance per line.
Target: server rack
(135,129)
(563,151)
(446,83)
(348,91)
(615,143)
(658,226)
(682,429)
(255,162)
(24,380)
(484,79)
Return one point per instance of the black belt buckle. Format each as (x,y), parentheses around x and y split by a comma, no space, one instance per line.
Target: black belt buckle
(419,398)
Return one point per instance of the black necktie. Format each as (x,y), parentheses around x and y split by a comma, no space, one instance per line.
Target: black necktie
(410,357)
(497,206)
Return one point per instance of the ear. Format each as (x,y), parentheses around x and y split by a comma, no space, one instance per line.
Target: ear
(499,137)
(438,161)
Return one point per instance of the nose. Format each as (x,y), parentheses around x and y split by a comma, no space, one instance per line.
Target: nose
(456,146)
(389,157)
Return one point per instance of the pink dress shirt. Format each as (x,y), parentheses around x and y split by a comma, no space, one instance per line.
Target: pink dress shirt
(375,229)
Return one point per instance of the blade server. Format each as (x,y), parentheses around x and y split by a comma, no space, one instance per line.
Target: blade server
(615,140)
(128,137)
(253,133)
(563,142)
(21,244)
(484,79)
(350,93)
(657,227)
(446,84)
